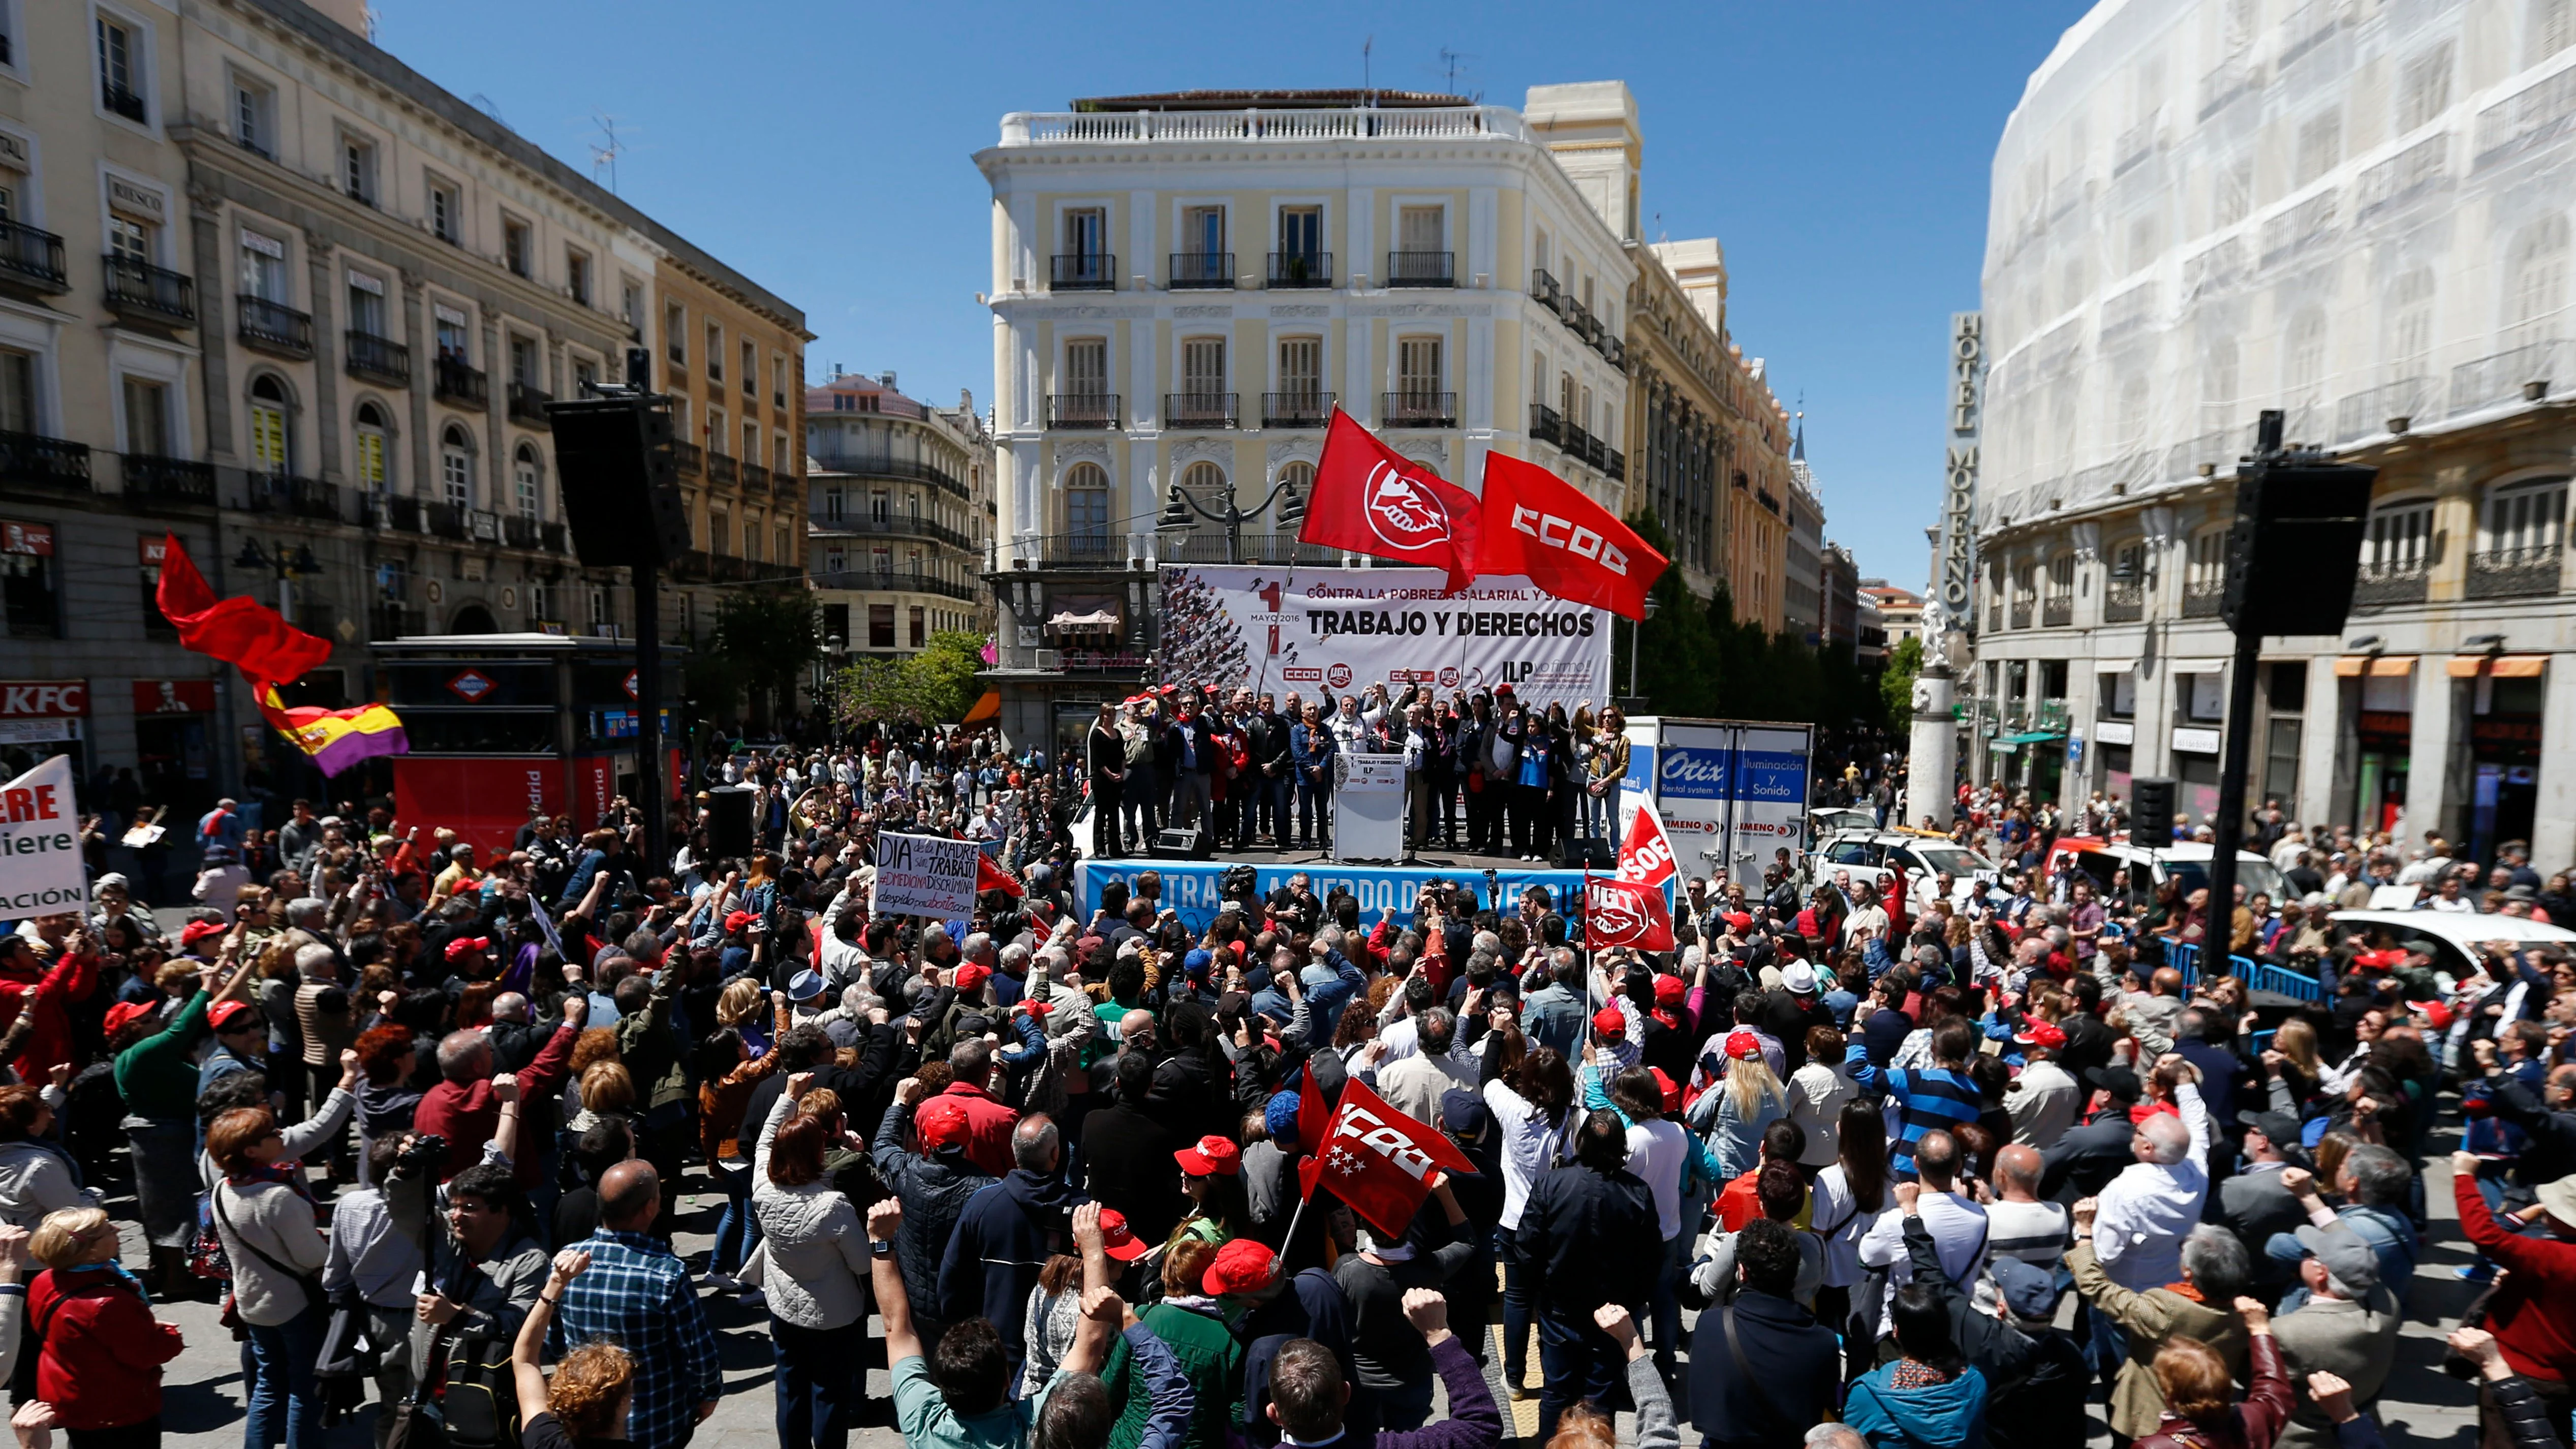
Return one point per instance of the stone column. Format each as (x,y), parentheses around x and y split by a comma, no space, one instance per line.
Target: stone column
(1932,753)
(496,417)
(424,352)
(2428,771)
(326,357)
(205,227)
(2553,832)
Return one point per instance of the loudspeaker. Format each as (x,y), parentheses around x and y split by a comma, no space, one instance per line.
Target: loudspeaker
(1183,843)
(729,821)
(1588,852)
(2295,549)
(620,480)
(2151,810)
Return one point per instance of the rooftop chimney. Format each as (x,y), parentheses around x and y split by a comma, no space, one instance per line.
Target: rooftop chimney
(886,380)
(349,15)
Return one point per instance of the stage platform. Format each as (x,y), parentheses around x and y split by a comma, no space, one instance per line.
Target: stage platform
(1190,886)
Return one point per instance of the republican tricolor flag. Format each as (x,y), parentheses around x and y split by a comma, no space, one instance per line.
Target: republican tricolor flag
(257,640)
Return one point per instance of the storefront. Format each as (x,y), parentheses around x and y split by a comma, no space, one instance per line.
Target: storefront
(2381,694)
(2113,739)
(42,718)
(174,743)
(2505,706)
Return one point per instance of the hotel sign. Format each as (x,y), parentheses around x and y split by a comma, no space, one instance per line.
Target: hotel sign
(1966,414)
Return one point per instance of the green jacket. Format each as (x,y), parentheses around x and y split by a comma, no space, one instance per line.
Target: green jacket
(651,1052)
(1211,1358)
(155,1076)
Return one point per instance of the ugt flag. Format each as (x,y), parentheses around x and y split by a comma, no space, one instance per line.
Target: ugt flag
(1624,913)
(1370,499)
(1378,1160)
(1540,525)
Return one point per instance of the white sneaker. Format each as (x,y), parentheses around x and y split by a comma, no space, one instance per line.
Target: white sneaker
(724,1283)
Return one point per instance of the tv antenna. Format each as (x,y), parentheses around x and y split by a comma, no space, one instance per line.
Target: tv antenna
(1449,63)
(1367,85)
(605,155)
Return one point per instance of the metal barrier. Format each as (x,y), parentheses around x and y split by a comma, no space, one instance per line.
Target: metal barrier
(2279,980)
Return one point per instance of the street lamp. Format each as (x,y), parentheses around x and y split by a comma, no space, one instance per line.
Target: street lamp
(1635,645)
(286,564)
(1178,505)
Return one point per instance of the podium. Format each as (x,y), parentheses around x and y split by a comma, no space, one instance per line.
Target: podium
(1368,807)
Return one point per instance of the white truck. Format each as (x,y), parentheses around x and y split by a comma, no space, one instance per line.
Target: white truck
(1732,793)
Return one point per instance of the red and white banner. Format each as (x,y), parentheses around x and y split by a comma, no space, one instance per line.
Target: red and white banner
(1624,913)
(1540,525)
(1373,1157)
(41,872)
(1370,499)
(1646,856)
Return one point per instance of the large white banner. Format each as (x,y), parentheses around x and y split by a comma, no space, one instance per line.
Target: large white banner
(1337,631)
(40,855)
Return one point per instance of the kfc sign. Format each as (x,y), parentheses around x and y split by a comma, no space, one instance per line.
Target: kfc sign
(44,698)
(1575,539)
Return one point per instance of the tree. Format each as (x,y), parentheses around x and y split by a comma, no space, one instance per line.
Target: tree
(769,638)
(935,686)
(1896,682)
(1676,664)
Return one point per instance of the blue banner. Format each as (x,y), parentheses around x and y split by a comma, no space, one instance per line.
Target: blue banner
(1774,775)
(1190,886)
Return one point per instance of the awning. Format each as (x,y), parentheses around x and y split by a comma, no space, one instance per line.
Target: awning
(2377,666)
(2114,666)
(2499,666)
(2035,737)
(1099,621)
(989,707)
(2195,666)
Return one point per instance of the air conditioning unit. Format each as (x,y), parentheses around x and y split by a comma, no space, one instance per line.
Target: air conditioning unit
(1050,660)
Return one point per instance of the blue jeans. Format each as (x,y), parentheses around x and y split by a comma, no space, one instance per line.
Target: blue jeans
(1668,1303)
(738,1231)
(1520,1291)
(1314,810)
(1273,799)
(283,1400)
(820,1379)
(1578,1364)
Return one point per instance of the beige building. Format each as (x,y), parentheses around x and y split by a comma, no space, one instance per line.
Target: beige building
(901,515)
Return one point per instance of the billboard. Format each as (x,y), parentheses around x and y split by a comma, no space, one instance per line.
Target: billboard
(1337,631)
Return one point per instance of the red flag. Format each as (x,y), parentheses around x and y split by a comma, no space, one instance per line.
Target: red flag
(240,631)
(1370,499)
(1314,1119)
(1646,857)
(1623,913)
(991,877)
(1379,1160)
(1567,544)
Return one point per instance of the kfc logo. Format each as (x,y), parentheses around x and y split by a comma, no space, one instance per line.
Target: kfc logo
(1339,676)
(1401,512)
(1581,542)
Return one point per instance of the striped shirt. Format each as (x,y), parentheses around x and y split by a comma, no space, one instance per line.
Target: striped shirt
(1927,1099)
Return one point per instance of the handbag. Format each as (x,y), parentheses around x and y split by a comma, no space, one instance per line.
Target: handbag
(310,1283)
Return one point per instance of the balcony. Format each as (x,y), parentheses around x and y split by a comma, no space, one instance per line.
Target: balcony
(1544,288)
(377,359)
(152,481)
(295,497)
(403,514)
(2057,611)
(2514,573)
(1301,269)
(550,537)
(2522,372)
(1420,269)
(2124,601)
(452,380)
(37,461)
(483,526)
(31,260)
(1082,410)
(1201,410)
(890,581)
(891,525)
(689,457)
(2021,613)
(273,327)
(1085,661)
(1084,272)
(1545,426)
(1617,467)
(755,478)
(445,520)
(528,404)
(1092,551)
(1297,409)
(1209,547)
(2200,601)
(145,293)
(721,469)
(1410,409)
(2393,584)
(518,530)
(914,469)
(121,101)
(1202,271)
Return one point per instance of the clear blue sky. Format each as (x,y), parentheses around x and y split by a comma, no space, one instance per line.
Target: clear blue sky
(1838,150)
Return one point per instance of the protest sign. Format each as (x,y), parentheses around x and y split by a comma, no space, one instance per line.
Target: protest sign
(40,857)
(925,875)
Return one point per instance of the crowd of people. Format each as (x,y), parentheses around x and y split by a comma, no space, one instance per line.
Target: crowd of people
(421,1117)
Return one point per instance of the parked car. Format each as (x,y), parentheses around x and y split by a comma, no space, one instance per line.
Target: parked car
(1869,856)
(2149,867)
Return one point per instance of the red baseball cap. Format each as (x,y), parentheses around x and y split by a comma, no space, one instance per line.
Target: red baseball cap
(1242,1266)
(2045,1035)
(941,1122)
(1211,1157)
(1744,1046)
(1609,1022)
(226,1012)
(1117,1240)
(971,977)
(463,944)
(196,931)
(737,920)
(124,1013)
(1739,921)
(1669,991)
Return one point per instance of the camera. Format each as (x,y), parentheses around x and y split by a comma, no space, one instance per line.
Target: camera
(416,1159)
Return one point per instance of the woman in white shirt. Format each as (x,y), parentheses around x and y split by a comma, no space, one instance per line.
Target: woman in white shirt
(1817,1092)
(1534,1108)
(1848,1198)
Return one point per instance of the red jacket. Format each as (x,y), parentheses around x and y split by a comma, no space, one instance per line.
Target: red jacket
(465,1115)
(988,1128)
(49,1043)
(101,1367)
(2528,1314)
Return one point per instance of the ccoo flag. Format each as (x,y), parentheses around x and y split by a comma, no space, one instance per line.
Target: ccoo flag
(1370,499)
(1378,1160)
(1540,525)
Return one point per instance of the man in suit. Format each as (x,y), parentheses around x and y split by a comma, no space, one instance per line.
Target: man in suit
(2226,1080)
(2086,1159)
(2254,1204)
